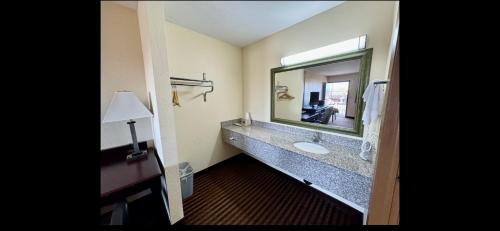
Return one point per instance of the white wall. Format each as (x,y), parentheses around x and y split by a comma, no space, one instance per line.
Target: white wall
(313,82)
(197,122)
(153,40)
(353,90)
(122,68)
(290,109)
(346,21)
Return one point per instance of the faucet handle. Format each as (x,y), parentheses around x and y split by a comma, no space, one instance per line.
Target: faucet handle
(316,136)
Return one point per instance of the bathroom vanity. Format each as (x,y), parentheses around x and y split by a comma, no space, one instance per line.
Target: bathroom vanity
(337,171)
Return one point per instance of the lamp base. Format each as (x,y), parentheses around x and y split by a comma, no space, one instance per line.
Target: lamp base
(132,156)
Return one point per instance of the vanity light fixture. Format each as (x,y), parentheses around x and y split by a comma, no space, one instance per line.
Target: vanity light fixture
(326,51)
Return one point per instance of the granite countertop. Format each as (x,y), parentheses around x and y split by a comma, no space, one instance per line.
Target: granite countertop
(341,156)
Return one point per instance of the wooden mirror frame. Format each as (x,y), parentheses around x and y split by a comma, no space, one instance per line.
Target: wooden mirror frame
(365,56)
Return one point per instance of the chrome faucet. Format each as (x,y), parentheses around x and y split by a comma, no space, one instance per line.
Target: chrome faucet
(316,137)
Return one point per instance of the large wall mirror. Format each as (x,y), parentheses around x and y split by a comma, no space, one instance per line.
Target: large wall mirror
(324,94)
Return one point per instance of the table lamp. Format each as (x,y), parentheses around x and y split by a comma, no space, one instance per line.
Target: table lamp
(126,106)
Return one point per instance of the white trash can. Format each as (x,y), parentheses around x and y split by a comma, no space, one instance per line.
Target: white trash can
(186,176)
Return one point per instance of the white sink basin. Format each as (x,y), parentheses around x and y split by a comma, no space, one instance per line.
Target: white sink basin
(311,147)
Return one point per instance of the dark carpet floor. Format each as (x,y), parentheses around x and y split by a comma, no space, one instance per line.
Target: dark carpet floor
(244,191)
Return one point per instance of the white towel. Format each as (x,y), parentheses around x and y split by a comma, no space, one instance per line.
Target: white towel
(372,98)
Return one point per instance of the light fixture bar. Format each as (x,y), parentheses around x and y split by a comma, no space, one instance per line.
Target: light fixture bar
(326,51)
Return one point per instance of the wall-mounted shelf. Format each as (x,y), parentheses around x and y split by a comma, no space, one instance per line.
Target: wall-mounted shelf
(176,81)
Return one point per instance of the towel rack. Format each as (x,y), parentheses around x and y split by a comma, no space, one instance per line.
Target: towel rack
(176,81)
(279,87)
(381,82)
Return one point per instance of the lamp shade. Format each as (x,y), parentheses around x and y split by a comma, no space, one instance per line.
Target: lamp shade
(125,106)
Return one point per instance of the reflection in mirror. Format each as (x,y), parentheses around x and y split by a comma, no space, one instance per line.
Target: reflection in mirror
(331,87)
(325,95)
(290,83)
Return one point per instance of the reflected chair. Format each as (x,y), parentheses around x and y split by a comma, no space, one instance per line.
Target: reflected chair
(325,115)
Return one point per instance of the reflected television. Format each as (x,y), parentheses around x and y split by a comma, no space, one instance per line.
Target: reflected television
(314,98)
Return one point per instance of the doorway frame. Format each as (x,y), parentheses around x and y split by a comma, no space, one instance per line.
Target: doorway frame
(347,98)
(384,198)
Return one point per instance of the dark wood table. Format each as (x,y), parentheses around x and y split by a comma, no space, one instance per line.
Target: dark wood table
(120,179)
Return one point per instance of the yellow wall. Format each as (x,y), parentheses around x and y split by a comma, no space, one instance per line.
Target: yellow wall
(198,123)
(122,68)
(346,21)
(290,109)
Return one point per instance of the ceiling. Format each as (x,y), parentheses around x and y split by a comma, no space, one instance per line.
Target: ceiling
(240,22)
(342,68)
